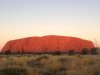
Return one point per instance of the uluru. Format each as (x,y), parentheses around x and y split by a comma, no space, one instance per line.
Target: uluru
(50,43)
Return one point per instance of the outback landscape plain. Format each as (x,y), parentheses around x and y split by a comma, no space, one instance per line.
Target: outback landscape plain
(49,64)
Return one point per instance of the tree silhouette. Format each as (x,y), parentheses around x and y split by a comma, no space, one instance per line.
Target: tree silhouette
(57,52)
(71,52)
(8,52)
(94,51)
(84,51)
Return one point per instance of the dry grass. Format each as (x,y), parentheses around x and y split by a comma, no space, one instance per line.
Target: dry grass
(51,64)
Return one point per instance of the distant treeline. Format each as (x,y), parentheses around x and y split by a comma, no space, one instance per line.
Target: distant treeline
(84,51)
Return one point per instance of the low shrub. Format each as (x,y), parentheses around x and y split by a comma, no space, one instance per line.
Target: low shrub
(71,52)
(34,64)
(63,60)
(13,71)
(84,51)
(42,57)
(94,51)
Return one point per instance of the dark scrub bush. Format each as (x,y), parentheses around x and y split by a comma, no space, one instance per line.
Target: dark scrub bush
(71,52)
(84,51)
(13,71)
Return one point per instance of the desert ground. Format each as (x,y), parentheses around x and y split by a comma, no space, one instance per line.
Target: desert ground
(49,64)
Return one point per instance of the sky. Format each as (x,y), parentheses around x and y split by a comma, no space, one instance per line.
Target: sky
(26,18)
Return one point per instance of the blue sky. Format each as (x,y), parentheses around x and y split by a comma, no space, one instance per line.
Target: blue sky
(24,18)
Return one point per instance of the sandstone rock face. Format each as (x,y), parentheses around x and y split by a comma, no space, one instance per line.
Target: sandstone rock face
(49,43)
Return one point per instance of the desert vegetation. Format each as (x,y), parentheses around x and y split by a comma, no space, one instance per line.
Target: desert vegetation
(84,51)
(87,62)
(13,71)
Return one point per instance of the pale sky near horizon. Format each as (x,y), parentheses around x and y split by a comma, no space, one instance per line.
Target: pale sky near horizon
(25,18)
